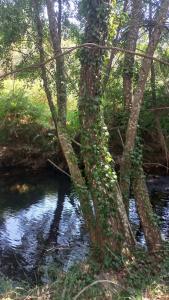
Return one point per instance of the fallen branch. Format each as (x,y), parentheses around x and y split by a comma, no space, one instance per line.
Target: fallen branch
(88,46)
(157,165)
(57,167)
(77,143)
(159,108)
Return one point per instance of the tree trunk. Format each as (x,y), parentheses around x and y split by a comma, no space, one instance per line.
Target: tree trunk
(138,97)
(144,208)
(113,53)
(139,184)
(162,141)
(132,36)
(145,69)
(102,180)
(64,140)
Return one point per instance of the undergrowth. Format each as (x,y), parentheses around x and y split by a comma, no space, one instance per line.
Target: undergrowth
(143,277)
(25,117)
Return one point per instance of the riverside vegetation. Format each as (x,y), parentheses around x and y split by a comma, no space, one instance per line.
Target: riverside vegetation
(84,83)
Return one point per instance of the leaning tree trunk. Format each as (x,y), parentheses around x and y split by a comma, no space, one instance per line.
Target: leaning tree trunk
(113,53)
(144,208)
(132,36)
(109,208)
(61,132)
(145,69)
(161,136)
(138,98)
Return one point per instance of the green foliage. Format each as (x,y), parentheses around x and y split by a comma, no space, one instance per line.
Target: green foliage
(22,115)
(73,123)
(137,155)
(142,275)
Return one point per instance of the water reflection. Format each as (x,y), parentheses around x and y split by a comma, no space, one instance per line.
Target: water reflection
(41,223)
(158,187)
(37,222)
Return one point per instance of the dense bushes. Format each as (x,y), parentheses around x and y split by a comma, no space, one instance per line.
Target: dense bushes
(22,115)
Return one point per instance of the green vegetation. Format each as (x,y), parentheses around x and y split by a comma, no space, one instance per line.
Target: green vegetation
(145,277)
(79,80)
(23,112)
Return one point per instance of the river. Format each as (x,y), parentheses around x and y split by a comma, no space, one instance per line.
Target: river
(41,226)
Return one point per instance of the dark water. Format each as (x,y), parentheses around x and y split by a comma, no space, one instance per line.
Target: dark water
(41,223)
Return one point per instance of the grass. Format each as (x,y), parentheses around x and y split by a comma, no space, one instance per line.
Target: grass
(145,277)
(25,116)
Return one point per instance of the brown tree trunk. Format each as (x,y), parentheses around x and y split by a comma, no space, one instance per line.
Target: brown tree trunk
(144,208)
(64,140)
(161,136)
(113,53)
(109,208)
(131,37)
(138,96)
(145,69)
(59,73)
(139,187)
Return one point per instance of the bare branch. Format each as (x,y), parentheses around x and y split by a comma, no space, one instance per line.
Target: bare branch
(88,46)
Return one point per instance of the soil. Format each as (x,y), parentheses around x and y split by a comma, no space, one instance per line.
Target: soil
(34,158)
(28,158)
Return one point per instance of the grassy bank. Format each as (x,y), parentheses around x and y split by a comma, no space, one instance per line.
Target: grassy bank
(143,277)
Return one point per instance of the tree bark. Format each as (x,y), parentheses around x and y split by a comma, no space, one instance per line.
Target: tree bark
(59,73)
(145,69)
(138,97)
(109,208)
(162,141)
(131,36)
(139,185)
(60,124)
(145,211)
(113,53)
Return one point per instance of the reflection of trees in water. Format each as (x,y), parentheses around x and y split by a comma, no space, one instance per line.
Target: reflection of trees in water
(20,260)
(38,186)
(160,204)
(51,240)
(162,210)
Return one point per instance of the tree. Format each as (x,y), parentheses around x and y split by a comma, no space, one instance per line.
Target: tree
(131,37)
(101,178)
(60,122)
(153,237)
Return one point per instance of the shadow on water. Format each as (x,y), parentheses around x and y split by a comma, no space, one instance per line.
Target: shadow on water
(39,216)
(158,187)
(41,223)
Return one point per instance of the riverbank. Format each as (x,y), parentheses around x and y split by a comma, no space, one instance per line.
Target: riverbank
(143,277)
(42,235)
(28,158)
(32,158)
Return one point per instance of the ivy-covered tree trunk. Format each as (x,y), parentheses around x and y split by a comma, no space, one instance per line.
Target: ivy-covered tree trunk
(138,95)
(144,208)
(131,41)
(143,75)
(101,178)
(134,116)
(132,36)
(60,126)
(161,136)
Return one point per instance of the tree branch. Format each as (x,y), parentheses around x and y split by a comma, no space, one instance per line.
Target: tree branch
(88,46)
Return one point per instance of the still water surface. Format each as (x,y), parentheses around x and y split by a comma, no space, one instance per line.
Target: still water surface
(41,223)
